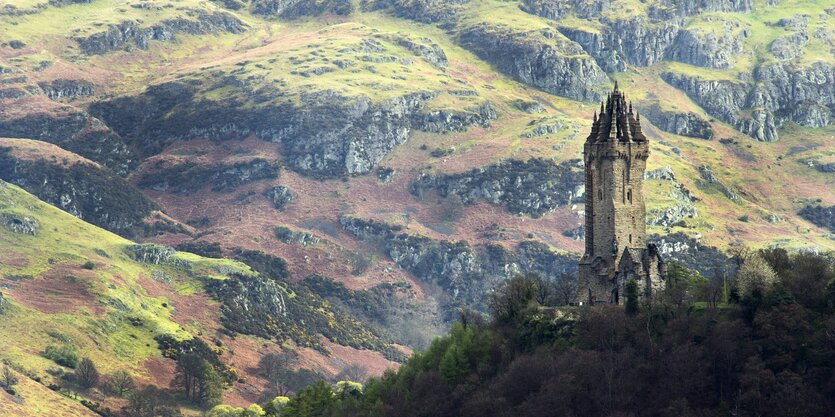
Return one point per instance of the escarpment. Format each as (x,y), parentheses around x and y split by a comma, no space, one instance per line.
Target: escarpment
(680,123)
(545,60)
(131,34)
(466,273)
(533,187)
(81,188)
(325,133)
(72,129)
(778,93)
(188,176)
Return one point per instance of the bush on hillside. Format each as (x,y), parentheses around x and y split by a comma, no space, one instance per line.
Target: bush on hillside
(63,355)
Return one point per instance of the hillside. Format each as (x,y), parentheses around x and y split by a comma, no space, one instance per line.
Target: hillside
(764,351)
(395,161)
(70,285)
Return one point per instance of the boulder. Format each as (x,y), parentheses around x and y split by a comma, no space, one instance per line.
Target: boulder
(24,225)
(281,196)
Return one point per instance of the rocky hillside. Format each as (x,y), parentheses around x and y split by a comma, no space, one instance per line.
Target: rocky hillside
(70,286)
(389,162)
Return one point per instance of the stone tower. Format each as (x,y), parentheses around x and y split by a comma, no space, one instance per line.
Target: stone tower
(615,156)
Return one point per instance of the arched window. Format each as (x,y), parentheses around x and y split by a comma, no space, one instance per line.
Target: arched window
(629,196)
(600,194)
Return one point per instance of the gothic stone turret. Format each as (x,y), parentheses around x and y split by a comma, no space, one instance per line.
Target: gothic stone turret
(615,155)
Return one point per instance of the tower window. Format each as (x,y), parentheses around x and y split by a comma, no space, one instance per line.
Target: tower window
(629,196)
(630,238)
(600,194)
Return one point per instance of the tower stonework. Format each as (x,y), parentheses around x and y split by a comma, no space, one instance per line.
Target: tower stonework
(615,156)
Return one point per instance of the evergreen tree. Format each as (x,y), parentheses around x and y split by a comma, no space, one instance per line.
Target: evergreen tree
(631,297)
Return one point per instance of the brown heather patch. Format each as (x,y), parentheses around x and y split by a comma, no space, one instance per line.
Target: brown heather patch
(63,289)
(342,356)
(243,353)
(188,310)
(31,106)
(160,371)
(13,259)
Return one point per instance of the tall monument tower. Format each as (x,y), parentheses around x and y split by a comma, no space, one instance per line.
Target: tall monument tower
(615,156)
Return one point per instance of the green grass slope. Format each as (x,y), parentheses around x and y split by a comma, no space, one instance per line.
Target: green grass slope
(109,310)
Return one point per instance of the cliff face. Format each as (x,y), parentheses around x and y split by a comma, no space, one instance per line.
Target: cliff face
(298,8)
(90,193)
(129,34)
(74,130)
(466,273)
(780,92)
(325,132)
(680,123)
(545,60)
(325,135)
(534,187)
(187,177)
(714,48)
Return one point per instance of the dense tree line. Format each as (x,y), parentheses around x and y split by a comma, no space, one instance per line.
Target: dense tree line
(761,343)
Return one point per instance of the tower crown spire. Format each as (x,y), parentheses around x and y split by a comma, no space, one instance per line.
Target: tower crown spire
(616,120)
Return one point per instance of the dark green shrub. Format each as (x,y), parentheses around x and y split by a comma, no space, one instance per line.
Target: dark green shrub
(63,355)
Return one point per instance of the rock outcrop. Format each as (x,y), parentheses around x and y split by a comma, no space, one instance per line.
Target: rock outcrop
(792,92)
(82,189)
(596,44)
(779,92)
(545,60)
(73,130)
(710,180)
(296,237)
(466,274)
(445,121)
(670,8)
(708,260)
(721,98)
(24,225)
(187,177)
(613,42)
(68,89)
(533,187)
(280,196)
(297,8)
(828,168)
(679,123)
(426,49)
(281,310)
(129,34)
(639,41)
(682,207)
(716,47)
(325,133)
(151,253)
(444,12)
